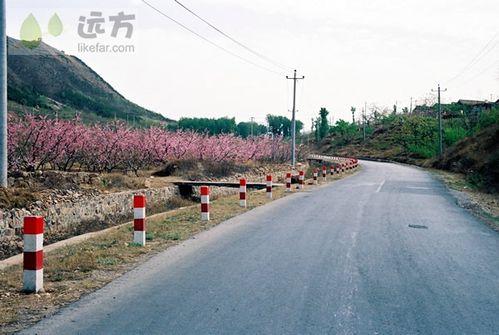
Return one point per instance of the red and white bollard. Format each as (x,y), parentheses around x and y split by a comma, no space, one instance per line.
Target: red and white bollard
(242,193)
(301,180)
(269,187)
(316,175)
(205,203)
(338,169)
(139,219)
(33,254)
(332,170)
(288,182)
(324,172)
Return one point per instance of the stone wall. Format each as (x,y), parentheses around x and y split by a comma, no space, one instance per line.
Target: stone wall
(82,215)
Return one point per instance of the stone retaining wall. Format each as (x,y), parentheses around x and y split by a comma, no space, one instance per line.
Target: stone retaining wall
(66,219)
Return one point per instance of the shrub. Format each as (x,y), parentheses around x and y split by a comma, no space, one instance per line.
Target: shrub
(422,151)
(454,134)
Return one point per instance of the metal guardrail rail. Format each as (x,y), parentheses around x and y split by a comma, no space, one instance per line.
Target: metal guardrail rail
(332,159)
(258,186)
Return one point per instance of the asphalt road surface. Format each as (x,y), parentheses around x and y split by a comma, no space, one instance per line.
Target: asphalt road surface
(341,259)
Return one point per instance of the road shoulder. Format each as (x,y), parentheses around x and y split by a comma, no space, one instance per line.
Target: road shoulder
(484,206)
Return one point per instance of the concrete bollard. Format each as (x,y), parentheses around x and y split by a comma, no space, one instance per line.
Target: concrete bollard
(316,175)
(205,203)
(33,254)
(301,180)
(242,193)
(288,182)
(324,172)
(139,219)
(269,187)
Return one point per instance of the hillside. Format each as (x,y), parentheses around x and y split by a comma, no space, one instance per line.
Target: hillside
(470,148)
(44,80)
(476,156)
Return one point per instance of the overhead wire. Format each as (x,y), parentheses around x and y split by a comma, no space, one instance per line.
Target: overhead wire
(482,53)
(481,73)
(209,41)
(256,53)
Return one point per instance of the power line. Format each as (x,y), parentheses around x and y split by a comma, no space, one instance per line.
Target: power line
(482,53)
(479,74)
(209,41)
(256,53)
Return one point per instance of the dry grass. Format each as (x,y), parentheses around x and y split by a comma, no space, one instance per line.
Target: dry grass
(16,197)
(73,271)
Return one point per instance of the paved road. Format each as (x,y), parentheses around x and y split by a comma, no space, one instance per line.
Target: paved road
(341,259)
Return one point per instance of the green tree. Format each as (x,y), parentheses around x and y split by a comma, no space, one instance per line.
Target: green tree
(281,125)
(346,131)
(244,129)
(323,124)
(222,125)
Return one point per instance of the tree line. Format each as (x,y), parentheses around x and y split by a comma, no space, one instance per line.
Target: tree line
(40,143)
(276,125)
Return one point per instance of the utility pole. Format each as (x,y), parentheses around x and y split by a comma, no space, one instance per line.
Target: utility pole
(440,128)
(410,109)
(3,97)
(353,109)
(365,120)
(252,121)
(293,120)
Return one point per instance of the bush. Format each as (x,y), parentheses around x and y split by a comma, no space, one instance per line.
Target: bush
(454,134)
(488,119)
(422,151)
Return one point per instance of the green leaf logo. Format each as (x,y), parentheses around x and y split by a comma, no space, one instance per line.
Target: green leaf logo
(31,33)
(55,25)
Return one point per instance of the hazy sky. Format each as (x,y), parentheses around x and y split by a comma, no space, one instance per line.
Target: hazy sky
(350,51)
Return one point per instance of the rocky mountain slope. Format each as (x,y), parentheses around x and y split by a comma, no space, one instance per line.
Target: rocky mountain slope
(47,81)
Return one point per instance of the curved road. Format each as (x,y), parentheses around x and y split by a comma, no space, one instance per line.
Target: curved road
(340,259)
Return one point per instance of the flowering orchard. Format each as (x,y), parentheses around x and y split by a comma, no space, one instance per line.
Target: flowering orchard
(41,143)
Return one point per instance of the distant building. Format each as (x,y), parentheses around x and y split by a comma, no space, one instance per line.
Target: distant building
(457,109)
(424,110)
(477,105)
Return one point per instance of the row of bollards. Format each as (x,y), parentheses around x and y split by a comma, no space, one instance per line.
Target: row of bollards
(33,227)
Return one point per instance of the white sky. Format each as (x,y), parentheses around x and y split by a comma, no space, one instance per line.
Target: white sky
(350,51)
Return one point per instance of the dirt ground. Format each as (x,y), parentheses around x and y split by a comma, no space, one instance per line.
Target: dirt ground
(481,204)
